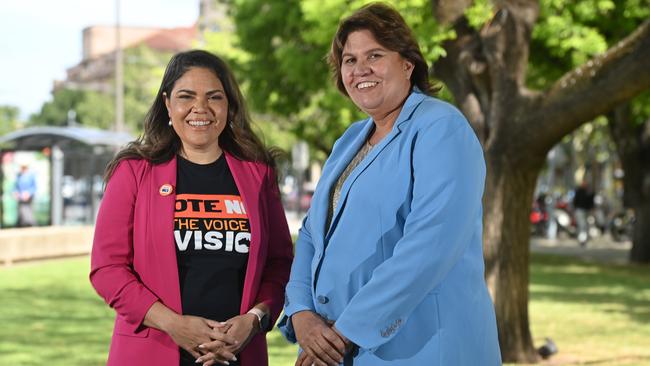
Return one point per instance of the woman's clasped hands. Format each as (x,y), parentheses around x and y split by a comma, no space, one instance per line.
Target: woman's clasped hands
(190,332)
(230,337)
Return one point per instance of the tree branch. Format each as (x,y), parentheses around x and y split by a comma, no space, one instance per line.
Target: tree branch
(506,39)
(449,11)
(487,67)
(594,88)
(462,72)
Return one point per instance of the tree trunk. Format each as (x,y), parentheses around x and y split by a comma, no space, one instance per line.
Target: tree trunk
(507,252)
(640,252)
(633,147)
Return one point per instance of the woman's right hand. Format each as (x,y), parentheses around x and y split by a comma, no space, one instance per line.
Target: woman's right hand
(317,339)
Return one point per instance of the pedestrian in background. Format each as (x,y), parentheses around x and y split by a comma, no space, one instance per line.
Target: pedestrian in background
(389,264)
(24,191)
(192,247)
(583,203)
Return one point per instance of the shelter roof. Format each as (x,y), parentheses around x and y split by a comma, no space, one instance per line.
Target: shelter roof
(39,137)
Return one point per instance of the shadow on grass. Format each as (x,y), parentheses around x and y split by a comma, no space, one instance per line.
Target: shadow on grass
(621,288)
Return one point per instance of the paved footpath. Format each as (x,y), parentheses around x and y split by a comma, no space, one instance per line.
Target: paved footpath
(601,249)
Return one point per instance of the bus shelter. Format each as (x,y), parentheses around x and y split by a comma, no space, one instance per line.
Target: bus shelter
(68,165)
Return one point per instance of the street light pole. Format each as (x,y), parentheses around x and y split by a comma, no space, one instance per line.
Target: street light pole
(119,73)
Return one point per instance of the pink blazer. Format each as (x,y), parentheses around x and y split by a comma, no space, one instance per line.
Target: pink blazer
(133,260)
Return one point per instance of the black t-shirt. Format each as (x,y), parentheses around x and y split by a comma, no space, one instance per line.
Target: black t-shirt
(583,199)
(212,237)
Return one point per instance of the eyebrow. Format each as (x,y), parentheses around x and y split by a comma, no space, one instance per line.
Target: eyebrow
(367,52)
(192,92)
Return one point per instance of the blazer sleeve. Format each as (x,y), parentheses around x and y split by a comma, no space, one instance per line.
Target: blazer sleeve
(280,251)
(112,274)
(299,296)
(448,173)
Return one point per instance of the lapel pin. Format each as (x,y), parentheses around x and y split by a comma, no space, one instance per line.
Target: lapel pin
(166,189)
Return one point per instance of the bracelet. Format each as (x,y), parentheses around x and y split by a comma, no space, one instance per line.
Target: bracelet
(258,313)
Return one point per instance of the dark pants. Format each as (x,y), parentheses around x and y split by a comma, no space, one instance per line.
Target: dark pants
(26,214)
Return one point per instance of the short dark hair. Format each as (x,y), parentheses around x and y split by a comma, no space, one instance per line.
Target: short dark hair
(391,31)
(159,142)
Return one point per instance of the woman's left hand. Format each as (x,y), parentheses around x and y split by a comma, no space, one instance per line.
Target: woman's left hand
(242,328)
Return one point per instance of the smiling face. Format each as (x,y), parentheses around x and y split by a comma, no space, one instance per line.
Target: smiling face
(376,79)
(198,109)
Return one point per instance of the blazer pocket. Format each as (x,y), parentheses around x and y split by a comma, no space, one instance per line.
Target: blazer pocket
(122,327)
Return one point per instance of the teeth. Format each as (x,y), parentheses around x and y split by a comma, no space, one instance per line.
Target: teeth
(198,123)
(366,84)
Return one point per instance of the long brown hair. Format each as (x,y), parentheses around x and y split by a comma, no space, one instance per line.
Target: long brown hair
(159,142)
(391,31)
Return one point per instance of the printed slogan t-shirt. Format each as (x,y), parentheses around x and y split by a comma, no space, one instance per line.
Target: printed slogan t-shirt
(212,236)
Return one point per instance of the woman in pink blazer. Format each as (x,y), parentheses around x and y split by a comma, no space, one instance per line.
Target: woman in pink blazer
(191,245)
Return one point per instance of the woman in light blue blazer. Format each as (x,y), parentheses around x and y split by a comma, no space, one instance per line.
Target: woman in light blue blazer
(388,268)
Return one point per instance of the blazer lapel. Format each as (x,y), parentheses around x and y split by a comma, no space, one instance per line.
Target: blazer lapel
(249,190)
(410,104)
(338,165)
(161,228)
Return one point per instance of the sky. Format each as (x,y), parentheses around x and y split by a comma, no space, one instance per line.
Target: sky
(40,39)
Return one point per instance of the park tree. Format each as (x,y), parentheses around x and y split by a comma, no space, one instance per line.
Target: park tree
(9,118)
(485,68)
(504,62)
(630,129)
(55,112)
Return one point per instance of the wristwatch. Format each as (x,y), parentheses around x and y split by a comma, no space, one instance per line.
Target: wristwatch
(262,317)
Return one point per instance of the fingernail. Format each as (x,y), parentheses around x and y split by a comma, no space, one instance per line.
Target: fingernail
(201,346)
(198,360)
(226,363)
(233,358)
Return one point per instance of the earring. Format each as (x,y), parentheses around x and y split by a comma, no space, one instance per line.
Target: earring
(170,123)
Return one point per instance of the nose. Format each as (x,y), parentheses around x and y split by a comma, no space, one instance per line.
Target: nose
(361,68)
(200,105)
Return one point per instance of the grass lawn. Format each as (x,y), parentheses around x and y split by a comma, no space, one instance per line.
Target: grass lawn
(596,314)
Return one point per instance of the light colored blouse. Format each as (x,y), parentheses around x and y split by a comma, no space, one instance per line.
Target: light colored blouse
(335,193)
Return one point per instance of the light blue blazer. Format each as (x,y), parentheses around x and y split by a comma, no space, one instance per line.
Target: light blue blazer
(400,269)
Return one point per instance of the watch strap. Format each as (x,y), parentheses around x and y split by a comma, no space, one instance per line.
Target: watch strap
(262,318)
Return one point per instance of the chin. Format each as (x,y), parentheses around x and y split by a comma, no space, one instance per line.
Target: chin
(368,108)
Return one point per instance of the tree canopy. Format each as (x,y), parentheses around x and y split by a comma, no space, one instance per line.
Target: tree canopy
(9,118)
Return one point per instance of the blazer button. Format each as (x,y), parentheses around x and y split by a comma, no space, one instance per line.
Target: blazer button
(322,299)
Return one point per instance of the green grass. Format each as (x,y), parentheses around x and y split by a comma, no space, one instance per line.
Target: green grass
(597,314)
(50,315)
